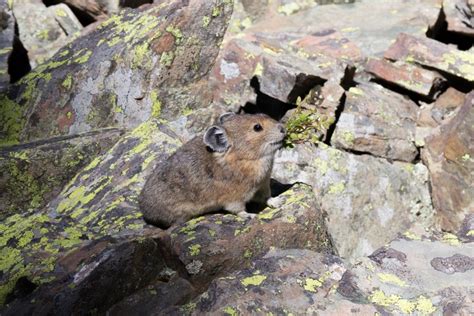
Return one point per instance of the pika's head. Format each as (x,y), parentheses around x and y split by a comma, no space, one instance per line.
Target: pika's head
(248,136)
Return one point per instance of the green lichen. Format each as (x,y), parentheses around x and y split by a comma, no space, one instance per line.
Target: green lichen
(337,188)
(176,32)
(356,91)
(289,9)
(205,21)
(268,213)
(422,305)
(167,58)
(391,278)
(194,250)
(83,58)
(67,83)
(141,55)
(348,138)
(216,11)
(229,310)
(248,254)
(155,105)
(60,12)
(11,121)
(255,280)
(311,285)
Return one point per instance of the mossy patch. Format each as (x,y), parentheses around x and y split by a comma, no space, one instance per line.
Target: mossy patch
(11,121)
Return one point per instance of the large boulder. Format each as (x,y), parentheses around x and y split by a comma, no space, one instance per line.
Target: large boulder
(449,155)
(33,173)
(368,200)
(136,65)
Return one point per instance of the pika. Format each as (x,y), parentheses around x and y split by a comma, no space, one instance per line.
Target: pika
(225,168)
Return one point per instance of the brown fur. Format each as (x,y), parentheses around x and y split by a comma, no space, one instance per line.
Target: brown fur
(196,180)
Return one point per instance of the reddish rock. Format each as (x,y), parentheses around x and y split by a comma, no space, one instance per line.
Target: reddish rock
(459,17)
(449,155)
(433,54)
(406,76)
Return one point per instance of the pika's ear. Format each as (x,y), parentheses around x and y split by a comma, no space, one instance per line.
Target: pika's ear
(224,117)
(216,138)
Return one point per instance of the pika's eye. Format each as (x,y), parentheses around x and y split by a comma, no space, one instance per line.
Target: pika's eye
(257,127)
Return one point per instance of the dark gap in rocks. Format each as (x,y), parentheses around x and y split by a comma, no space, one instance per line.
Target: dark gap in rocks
(18,61)
(347,81)
(332,128)
(265,103)
(23,287)
(133,3)
(84,17)
(440,32)
(303,84)
(417,157)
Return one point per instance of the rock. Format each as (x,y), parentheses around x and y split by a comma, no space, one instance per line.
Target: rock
(7,33)
(32,174)
(92,10)
(448,154)
(370,32)
(283,282)
(459,17)
(99,274)
(262,288)
(214,245)
(422,275)
(431,116)
(433,54)
(285,65)
(368,200)
(66,18)
(99,201)
(377,121)
(132,67)
(40,33)
(414,79)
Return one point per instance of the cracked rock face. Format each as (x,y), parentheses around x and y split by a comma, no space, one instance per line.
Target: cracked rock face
(368,200)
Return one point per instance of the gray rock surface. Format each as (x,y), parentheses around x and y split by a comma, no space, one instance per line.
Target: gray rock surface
(368,200)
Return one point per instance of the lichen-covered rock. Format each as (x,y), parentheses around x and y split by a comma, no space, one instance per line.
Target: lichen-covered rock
(32,174)
(99,201)
(99,274)
(283,282)
(7,33)
(368,200)
(377,121)
(218,244)
(459,17)
(136,65)
(420,274)
(40,33)
(449,155)
(433,54)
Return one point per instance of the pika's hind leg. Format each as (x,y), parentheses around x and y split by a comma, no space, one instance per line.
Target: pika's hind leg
(238,208)
(263,193)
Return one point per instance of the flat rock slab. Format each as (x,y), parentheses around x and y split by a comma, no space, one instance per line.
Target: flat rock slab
(218,244)
(412,78)
(378,121)
(422,275)
(433,54)
(32,174)
(66,18)
(449,156)
(136,65)
(368,200)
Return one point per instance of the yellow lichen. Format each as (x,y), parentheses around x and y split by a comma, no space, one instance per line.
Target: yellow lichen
(311,285)
(391,278)
(256,280)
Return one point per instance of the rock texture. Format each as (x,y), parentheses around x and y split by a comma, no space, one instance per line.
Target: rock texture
(377,121)
(159,63)
(449,155)
(368,200)
(32,174)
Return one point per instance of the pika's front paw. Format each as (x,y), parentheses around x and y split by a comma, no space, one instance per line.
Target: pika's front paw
(246,216)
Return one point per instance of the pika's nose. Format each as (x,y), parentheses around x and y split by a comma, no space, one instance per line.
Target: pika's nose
(281,128)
